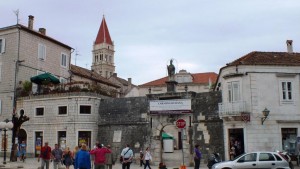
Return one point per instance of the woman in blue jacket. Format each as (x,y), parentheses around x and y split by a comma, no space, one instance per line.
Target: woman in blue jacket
(82,160)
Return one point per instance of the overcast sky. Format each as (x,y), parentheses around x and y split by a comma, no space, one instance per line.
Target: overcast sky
(200,35)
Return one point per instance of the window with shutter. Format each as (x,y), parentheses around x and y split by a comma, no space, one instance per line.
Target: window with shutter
(2,45)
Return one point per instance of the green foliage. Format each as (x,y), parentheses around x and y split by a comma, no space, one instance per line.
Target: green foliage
(27,85)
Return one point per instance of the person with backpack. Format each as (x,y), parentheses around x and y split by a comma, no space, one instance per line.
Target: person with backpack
(45,155)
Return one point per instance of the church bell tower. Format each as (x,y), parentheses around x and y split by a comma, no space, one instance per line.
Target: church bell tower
(103,52)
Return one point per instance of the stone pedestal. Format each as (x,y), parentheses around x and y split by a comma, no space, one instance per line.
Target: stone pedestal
(171,86)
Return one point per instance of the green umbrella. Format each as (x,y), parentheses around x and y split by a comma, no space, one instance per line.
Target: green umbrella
(46,77)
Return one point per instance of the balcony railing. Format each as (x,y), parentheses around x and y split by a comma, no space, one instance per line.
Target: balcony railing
(232,108)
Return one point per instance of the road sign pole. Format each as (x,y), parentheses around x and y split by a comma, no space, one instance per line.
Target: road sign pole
(182,147)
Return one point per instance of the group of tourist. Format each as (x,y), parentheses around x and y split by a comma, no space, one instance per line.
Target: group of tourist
(57,156)
(80,157)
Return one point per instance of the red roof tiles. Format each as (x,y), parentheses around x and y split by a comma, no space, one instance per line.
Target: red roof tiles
(103,34)
(198,78)
(268,58)
(79,71)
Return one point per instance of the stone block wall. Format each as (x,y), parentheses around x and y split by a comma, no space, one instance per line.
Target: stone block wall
(128,116)
(131,117)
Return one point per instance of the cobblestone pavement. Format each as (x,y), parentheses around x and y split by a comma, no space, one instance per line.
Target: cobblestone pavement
(32,163)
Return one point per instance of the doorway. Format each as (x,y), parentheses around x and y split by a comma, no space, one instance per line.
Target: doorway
(84,137)
(38,143)
(235,142)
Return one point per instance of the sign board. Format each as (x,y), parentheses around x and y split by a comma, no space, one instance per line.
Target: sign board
(178,106)
(180,123)
(117,136)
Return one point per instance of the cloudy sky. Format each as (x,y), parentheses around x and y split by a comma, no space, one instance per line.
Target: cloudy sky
(200,35)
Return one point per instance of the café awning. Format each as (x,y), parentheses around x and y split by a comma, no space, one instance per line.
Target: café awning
(44,78)
(166,136)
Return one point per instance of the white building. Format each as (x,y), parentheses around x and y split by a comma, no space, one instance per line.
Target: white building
(251,84)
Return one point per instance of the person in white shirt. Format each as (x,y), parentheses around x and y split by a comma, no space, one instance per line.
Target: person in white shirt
(147,158)
(127,155)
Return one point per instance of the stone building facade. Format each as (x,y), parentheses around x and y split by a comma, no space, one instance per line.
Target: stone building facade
(68,119)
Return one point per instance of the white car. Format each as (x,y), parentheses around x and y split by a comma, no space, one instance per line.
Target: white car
(270,160)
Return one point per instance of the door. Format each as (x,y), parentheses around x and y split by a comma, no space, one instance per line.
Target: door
(236,142)
(62,139)
(38,143)
(84,137)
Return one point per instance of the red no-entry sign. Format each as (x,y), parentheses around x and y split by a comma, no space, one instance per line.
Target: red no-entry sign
(180,123)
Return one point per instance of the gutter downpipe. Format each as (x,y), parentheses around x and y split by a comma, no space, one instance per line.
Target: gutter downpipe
(12,154)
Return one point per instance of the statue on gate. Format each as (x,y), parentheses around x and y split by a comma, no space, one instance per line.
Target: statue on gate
(171,70)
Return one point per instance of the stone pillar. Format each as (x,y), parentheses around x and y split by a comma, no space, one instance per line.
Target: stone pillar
(171,86)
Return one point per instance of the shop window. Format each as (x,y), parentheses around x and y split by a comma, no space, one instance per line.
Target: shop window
(62,139)
(289,138)
(38,143)
(84,137)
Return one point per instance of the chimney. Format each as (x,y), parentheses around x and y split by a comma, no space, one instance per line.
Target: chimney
(42,31)
(129,82)
(289,44)
(30,22)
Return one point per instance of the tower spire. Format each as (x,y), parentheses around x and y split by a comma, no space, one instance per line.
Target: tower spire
(103,33)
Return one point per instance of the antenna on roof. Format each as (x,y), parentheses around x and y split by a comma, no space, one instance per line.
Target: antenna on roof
(76,54)
(17,14)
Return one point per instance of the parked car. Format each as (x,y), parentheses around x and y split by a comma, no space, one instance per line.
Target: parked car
(270,160)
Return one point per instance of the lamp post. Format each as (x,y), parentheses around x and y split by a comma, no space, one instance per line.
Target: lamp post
(265,113)
(4,126)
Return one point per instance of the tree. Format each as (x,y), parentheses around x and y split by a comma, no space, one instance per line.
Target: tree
(17,121)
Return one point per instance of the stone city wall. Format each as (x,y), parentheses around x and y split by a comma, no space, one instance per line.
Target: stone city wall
(126,121)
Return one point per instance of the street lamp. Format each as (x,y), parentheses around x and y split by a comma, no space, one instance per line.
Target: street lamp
(265,113)
(4,126)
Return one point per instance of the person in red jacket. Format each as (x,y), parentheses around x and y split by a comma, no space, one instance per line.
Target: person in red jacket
(99,153)
(45,155)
